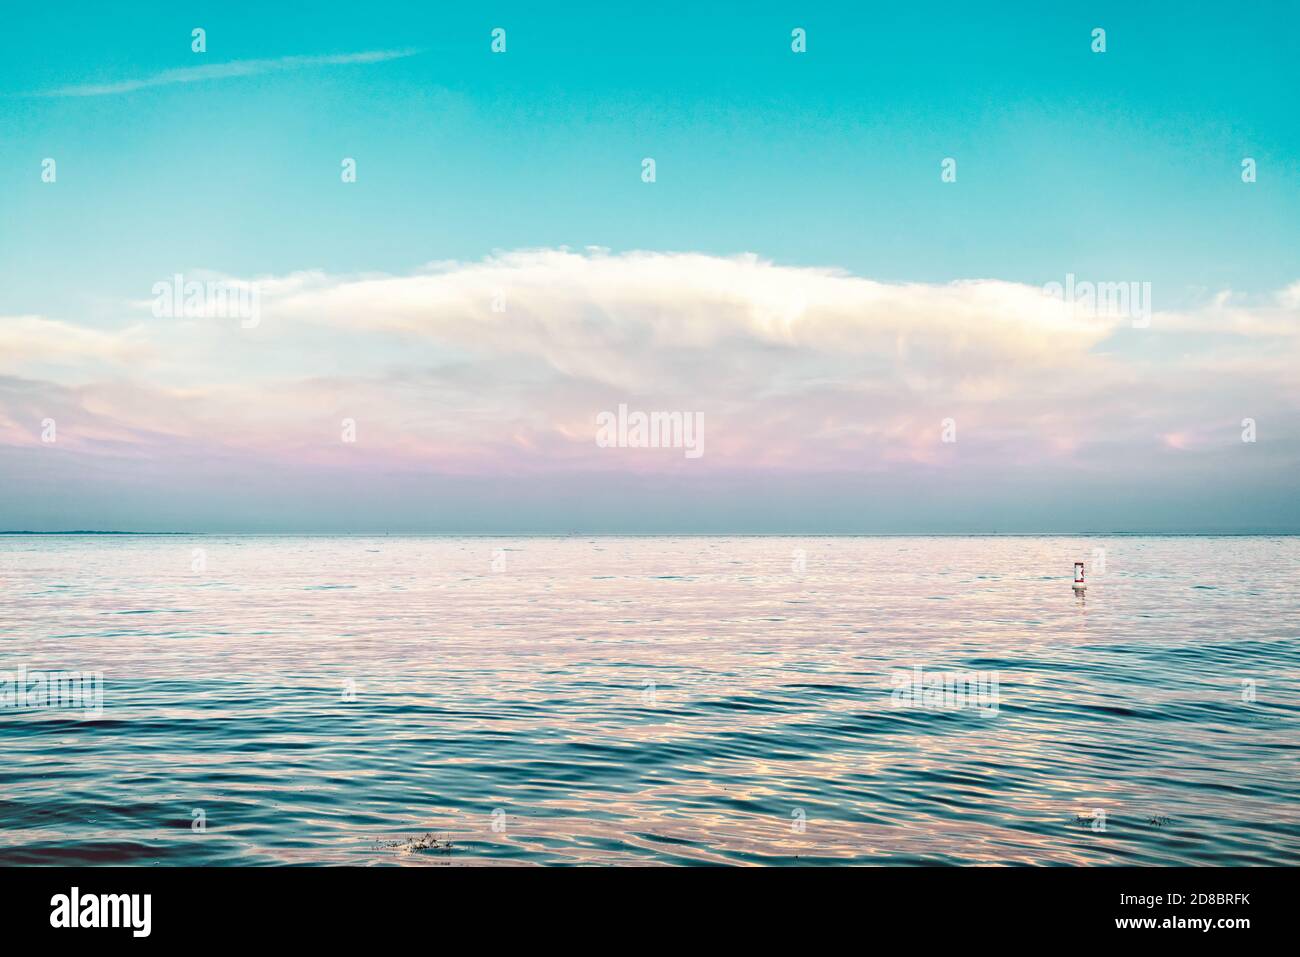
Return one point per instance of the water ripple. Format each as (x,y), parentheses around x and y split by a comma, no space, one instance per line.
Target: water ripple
(653,700)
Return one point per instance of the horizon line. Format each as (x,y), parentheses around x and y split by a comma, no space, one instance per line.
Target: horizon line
(631,534)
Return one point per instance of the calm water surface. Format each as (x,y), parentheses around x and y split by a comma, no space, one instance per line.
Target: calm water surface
(652,700)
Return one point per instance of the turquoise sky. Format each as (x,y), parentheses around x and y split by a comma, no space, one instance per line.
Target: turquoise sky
(823,392)
(1119,164)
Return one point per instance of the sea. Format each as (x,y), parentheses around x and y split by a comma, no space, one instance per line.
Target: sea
(766,700)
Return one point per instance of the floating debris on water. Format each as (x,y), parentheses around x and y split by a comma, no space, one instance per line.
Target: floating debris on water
(425,842)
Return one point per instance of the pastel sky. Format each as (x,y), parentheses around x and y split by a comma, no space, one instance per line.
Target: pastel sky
(798,273)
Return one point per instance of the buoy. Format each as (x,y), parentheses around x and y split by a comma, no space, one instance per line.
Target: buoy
(1078,577)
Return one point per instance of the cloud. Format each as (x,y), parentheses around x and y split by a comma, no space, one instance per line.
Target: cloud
(501,367)
(222,71)
(639,319)
(28,340)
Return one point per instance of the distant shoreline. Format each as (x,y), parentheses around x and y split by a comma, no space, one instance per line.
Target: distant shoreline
(91,532)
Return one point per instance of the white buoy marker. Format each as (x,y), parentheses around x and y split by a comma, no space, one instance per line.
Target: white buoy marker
(1078,577)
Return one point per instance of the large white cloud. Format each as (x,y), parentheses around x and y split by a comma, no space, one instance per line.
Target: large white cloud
(505,363)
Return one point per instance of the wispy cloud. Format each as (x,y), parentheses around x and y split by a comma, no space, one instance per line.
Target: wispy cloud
(224,71)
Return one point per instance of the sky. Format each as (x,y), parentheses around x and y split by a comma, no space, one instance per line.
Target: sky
(867,333)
